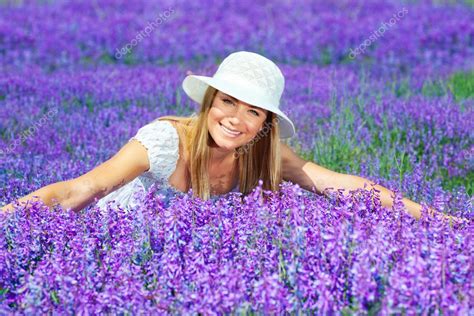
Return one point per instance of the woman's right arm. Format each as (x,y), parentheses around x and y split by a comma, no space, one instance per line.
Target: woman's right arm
(128,163)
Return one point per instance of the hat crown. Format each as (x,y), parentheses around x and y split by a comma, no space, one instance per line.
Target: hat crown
(249,77)
(256,70)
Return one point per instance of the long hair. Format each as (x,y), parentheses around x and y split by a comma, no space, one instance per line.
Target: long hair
(258,159)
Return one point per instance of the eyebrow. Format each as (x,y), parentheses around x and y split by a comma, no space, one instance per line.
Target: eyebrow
(252,106)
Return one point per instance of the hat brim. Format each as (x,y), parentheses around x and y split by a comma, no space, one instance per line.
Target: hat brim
(195,87)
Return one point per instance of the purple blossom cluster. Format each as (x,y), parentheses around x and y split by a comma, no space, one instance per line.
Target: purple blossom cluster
(68,104)
(72,33)
(290,252)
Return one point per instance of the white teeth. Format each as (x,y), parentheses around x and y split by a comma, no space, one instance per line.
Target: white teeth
(230,131)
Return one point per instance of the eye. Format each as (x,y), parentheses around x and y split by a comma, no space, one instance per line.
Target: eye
(227,101)
(255,112)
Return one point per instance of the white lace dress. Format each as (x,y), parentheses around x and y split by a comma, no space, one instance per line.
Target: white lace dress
(161,140)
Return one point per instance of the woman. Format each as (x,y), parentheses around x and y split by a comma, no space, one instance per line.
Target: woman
(231,144)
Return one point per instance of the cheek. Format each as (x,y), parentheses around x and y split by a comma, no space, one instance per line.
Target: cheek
(258,125)
(215,114)
(213,119)
(252,130)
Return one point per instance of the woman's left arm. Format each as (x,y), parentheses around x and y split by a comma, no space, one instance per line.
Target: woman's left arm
(312,177)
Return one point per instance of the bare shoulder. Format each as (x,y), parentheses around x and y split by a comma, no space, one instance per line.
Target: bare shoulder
(289,157)
(308,174)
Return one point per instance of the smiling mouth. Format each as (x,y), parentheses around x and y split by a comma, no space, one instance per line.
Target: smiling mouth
(229,132)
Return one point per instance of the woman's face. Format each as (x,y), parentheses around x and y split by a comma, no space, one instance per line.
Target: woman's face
(233,123)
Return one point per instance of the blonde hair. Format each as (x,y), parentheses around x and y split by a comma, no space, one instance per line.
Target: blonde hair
(260,160)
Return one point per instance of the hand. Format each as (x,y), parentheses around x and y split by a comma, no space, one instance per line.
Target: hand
(461,220)
(7,208)
(454,219)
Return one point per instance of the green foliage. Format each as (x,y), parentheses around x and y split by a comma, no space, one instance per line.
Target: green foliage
(338,150)
(107,58)
(402,88)
(461,85)
(130,58)
(450,183)
(326,56)
(338,146)
(3,291)
(455,2)
(434,88)
(338,154)
(55,297)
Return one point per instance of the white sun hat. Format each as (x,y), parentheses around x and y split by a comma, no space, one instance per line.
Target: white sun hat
(248,77)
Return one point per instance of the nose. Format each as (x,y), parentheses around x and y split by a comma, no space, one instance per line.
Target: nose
(234,120)
(236,117)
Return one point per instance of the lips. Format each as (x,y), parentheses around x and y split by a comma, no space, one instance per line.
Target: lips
(229,132)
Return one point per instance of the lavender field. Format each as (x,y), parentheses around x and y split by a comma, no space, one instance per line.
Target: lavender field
(379,89)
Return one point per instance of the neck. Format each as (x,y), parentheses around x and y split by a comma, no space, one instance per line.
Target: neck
(223,161)
(220,155)
(217,154)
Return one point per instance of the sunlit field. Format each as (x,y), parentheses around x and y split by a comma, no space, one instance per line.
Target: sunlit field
(379,89)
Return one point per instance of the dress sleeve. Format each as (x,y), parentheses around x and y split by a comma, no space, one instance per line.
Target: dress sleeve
(161,141)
